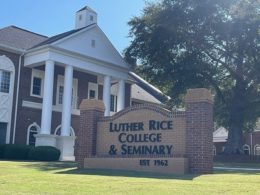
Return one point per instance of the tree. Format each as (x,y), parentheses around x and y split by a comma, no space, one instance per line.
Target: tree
(215,44)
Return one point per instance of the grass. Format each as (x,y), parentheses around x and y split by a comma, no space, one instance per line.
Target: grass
(65,178)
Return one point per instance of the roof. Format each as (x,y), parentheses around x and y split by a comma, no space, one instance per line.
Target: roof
(86,8)
(19,38)
(60,36)
(220,135)
(138,94)
(156,93)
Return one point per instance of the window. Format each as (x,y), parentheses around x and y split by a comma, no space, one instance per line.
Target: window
(92,90)
(5,78)
(80,17)
(91,17)
(92,94)
(61,89)
(257,149)
(37,83)
(93,43)
(113,103)
(33,129)
(246,149)
(3,130)
(60,92)
(58,131)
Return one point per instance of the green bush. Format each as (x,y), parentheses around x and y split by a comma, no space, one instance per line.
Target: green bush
(44,153)
(2,148)
(16,152)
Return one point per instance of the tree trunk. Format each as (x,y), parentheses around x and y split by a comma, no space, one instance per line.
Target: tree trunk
(236,121)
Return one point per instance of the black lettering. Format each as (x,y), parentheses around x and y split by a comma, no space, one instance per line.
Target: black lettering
(169,149)
(124,149)
(152,125)
(120,137)
(161,149)
(141,126)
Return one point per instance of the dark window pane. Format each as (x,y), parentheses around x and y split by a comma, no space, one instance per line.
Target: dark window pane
(32,139)
(61,89)
(92,94)
(5,81)
(112,103)
(37,86)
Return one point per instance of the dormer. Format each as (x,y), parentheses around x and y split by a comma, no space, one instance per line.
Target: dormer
(85,17)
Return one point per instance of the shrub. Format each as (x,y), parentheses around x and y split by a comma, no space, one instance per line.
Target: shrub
(44,153)
(2,148)
(16,152)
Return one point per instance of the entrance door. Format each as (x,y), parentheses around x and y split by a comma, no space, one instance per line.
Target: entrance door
(3,130)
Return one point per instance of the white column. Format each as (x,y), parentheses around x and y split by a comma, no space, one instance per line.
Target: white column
(106,94)
(121,95)
(47,98)
(66,102)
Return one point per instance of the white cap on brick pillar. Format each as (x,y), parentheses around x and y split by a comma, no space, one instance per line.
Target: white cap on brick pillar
(85,17)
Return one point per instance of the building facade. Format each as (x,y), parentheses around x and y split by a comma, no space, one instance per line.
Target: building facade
(251,141)
(43,81)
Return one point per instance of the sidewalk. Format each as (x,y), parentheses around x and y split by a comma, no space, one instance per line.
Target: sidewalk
(237,168)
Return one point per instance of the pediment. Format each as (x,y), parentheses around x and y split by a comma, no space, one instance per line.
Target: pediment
(93,43)
(220,132)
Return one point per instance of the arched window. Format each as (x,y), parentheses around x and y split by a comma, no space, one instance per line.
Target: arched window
(7,75)
(257,149)
(246,149)
(214,150)
(31,131)
(58,131)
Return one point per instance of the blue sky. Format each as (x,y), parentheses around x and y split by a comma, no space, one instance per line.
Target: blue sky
(51,17)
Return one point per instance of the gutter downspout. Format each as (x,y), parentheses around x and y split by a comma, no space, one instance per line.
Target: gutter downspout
(17,94)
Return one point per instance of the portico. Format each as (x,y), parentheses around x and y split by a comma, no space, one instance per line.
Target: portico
(96,56)
(65,142)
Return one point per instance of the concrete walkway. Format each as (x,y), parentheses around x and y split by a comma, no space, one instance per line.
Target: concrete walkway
(237,168)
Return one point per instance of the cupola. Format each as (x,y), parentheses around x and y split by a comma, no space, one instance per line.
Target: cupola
(85,17)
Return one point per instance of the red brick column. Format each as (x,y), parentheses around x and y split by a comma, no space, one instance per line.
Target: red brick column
(199,139)
(85,145)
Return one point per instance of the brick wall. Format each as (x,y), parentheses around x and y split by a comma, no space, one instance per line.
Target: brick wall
(191,135)
(199,112)
(85,144)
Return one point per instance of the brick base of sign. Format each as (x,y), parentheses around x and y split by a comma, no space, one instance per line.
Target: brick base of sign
(156,165)
(148,137)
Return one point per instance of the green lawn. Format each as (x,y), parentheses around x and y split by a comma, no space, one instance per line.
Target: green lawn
(64,178)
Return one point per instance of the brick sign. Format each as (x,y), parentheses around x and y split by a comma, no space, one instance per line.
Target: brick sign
(148,137)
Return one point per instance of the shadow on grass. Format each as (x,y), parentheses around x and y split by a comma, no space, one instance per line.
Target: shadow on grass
(125,173)
(50,166)
(71,168)
(237,172)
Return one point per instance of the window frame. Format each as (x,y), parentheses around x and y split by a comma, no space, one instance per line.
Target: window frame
(72,132)
(9,84)
(255,149)
(93,87)
(38,74)
(60,82)
(246,147)
(114,103)
(34,124)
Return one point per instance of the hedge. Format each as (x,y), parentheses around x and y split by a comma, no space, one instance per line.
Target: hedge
(2,147)
(25,152)
(44,153)
(16,152)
